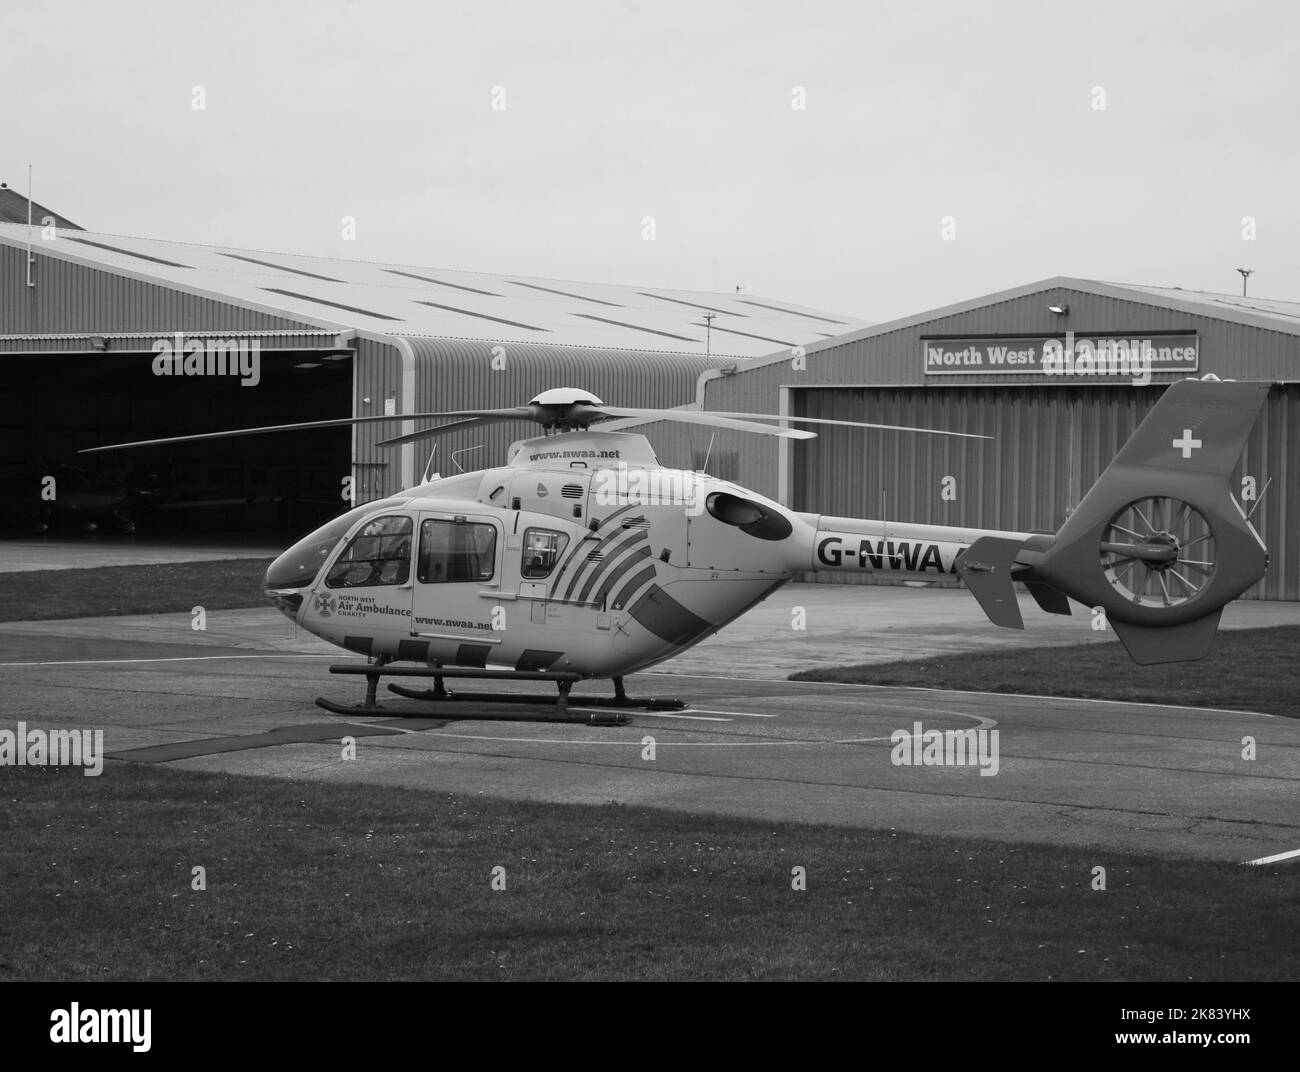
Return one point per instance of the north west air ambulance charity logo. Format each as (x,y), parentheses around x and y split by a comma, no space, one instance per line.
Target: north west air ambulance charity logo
(324,604)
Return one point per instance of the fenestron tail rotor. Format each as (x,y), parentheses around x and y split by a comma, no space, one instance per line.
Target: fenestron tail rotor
(1158,552)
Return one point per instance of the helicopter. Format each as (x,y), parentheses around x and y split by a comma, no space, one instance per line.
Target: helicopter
(583,557)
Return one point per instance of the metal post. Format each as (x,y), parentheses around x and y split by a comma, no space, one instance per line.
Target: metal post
(30,281)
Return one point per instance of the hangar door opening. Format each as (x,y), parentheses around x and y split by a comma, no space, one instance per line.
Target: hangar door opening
(252,488)
(1050,444)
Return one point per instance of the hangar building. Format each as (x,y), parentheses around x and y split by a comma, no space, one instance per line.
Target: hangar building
(997,365)
(82,332)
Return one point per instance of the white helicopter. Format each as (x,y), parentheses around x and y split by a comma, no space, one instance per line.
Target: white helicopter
(582,557)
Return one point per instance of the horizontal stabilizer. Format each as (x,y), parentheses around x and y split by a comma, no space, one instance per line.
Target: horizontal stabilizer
(1169,644)
(986,568)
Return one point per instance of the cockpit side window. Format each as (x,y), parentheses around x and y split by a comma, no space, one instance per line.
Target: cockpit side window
(542,550)
(452,551)
(378,555)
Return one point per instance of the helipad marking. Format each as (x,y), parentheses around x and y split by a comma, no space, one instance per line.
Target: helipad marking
(984,724)
(1274,859)
(967,692)
(630,742)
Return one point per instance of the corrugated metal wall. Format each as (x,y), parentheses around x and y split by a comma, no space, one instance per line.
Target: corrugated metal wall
(1060,435)
(1052,439)
(449,374)
(69,297)
(1227,348)
(1273,451)
(894,357)
(120,343)
(1051,445)
(377,376)
(456,374)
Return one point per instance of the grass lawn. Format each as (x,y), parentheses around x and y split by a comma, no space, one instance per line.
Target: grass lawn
(340,881)
(1249,669)
(39,595)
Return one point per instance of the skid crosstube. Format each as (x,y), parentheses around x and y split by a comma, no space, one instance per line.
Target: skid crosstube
(560,704)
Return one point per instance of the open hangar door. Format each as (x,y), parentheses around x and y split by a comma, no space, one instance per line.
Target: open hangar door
(278,485)
(1050,444)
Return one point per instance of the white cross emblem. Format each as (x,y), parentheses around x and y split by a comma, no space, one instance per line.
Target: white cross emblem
(1187,444)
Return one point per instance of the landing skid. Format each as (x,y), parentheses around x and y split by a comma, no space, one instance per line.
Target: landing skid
(560,705)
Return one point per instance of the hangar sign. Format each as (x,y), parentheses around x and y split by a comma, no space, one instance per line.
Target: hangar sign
(1132,356)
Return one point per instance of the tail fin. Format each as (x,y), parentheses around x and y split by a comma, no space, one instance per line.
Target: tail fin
(1160,541)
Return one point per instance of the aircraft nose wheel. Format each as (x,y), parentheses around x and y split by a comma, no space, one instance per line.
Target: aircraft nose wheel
(1158,552)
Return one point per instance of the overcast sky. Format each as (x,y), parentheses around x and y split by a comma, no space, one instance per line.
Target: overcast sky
(988,113)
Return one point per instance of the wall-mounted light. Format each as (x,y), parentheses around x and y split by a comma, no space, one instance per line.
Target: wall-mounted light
(1059,310)
(97,342)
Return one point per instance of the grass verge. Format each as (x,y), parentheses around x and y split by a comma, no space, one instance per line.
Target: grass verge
(1249,669)
(338,881)
(41,595)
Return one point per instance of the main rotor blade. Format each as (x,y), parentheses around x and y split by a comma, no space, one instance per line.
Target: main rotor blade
(851,424)
(520,413)
(510,413)
(429,433)
(591,414)
(695,416)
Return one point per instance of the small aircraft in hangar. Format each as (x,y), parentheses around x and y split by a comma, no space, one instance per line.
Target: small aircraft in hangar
(582,557)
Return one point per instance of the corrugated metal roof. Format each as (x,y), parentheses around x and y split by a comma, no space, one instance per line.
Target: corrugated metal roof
(1286,312)
(13,209)
(1268,313)
(414,301)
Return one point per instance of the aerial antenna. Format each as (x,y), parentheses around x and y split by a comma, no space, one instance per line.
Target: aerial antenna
(895,558)
(464,450)
(705,467)
(30,259)
(1260,498)
(429,474)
